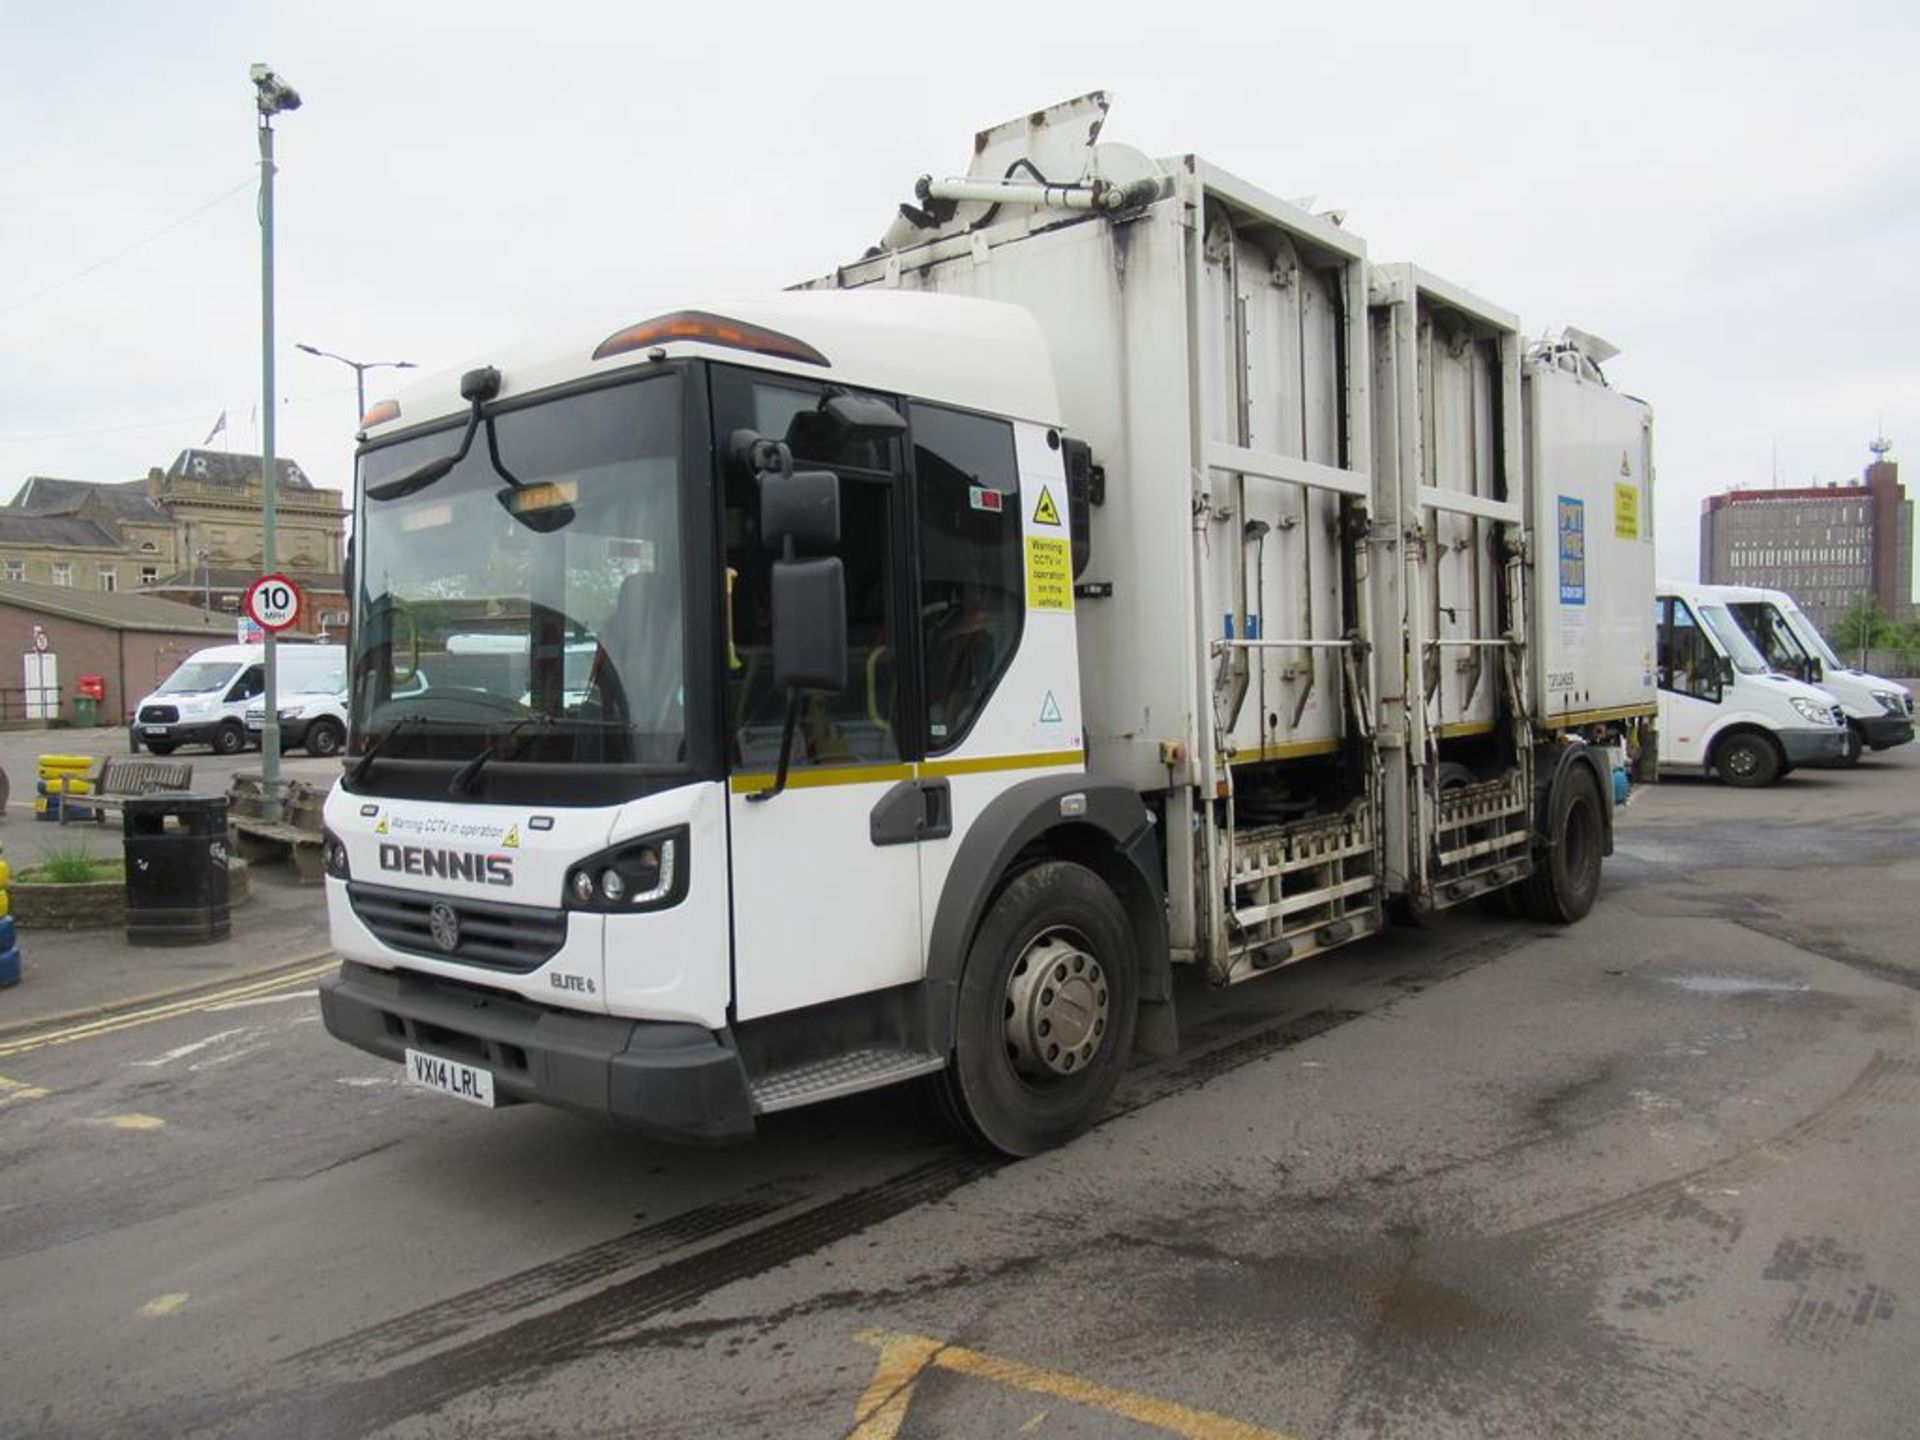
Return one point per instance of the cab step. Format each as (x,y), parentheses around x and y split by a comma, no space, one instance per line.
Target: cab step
(839,1075)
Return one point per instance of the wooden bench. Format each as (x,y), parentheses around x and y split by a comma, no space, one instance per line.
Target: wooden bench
(121,778)
(258,841)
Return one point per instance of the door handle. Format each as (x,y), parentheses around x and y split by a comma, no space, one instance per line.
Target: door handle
(912,811)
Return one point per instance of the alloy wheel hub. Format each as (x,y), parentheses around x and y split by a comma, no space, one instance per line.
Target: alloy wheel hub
(1056,1012)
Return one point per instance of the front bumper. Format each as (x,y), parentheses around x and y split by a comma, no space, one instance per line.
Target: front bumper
(672,1081)
(183,732)
(1883,732)
(1812,747)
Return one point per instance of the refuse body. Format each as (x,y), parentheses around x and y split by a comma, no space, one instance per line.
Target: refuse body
(177,877)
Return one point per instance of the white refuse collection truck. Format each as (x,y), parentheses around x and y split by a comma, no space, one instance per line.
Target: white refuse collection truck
(1879,712)
(1113,571)
(1723,709)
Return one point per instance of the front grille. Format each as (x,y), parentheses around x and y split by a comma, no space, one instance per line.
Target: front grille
(501,937)
(159,714)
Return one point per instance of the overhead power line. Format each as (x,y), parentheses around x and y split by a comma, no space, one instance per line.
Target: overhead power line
(164,231)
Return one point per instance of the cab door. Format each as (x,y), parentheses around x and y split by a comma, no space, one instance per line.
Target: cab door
(826,896)
(1691,689)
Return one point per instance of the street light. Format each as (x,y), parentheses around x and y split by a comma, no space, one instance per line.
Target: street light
(360,368)
(272,96)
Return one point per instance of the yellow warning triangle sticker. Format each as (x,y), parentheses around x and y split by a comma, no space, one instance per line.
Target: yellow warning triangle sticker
(381,828)
(512,838)
(1046,512)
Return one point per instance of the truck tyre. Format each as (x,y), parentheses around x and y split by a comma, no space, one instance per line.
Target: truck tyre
(324,737)
(1566,875)
(1747,761)
(1045,1015)
(229,739)
(1850,756)
(160,747)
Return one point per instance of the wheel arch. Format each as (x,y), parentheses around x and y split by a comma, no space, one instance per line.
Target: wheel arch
(1565,761)
(1113,836)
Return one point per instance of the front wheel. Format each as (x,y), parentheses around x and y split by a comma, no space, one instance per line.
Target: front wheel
(160,747)
(324,738)
(229,739)
(1046,1012)
(1747,761)
(1566,875)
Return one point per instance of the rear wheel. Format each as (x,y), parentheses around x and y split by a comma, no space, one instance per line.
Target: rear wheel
(1046,1012)
(324,738)
(1566,875)
(1747,761)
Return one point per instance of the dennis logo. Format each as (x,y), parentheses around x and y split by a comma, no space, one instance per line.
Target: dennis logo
(469,865)
(444,923)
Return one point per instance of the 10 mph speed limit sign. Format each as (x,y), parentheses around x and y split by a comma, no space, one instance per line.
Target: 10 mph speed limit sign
(273,601)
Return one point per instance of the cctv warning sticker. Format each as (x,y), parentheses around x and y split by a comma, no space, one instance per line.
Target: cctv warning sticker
(1046,512)
(1049,571)
(1626,511)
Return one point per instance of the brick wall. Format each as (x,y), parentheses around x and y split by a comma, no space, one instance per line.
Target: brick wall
(131,661)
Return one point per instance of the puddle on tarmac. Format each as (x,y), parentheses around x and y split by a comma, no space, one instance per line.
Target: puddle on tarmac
(1735,985)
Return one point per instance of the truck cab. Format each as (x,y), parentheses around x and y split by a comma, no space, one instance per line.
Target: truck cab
(1879,712)
(1724,710)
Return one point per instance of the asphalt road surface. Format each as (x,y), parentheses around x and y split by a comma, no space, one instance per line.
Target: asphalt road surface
(1652,1175)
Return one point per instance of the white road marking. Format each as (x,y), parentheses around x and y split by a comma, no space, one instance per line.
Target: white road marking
(181,1051)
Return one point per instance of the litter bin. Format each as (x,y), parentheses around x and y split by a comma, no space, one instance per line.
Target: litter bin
(86,711)
(176,850)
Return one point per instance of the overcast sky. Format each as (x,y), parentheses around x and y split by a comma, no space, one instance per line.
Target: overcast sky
(1730,193)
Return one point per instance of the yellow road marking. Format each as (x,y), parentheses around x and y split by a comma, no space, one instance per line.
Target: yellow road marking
(882,1407)
(129,1122)
(164,1304)
(12,1090)
(111,1024)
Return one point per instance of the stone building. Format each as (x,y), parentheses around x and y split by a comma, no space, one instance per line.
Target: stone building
(190,533)
(1829,546)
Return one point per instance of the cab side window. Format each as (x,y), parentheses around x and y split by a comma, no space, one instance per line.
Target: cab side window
(972,581)
(1689,665)
(859,724)
(252,682)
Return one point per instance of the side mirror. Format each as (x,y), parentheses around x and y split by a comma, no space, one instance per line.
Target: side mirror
(1815,670)
(861,417)
(799,510)
(1723,669)
(809,624)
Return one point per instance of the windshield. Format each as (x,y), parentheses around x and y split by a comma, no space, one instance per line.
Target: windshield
(1746,659)
(542,595)
(1804,629)
(197,677)
(1764,626)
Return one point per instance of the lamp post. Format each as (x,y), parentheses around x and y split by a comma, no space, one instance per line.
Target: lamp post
(272,96)
(360,368)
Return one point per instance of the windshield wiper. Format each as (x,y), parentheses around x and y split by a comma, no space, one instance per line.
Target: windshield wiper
(504,748)
(364,764)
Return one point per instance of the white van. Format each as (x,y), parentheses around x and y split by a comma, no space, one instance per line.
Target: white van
(1723,710)
(1879,712)
(204,701)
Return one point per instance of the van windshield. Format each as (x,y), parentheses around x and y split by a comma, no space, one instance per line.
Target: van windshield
(1746,659)
(197,677)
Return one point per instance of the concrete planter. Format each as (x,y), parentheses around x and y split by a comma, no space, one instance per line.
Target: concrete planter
(94,904)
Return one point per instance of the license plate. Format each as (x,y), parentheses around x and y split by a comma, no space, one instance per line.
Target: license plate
(157,729)
(450,1077)
(253,724)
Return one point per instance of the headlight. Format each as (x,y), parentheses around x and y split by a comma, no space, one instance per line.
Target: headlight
(333,856)
(1814,710)
(1891,702)
(645,874)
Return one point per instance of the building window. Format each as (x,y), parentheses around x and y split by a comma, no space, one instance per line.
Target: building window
(16,569)
(109,579)
(63,573)
(149,574)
